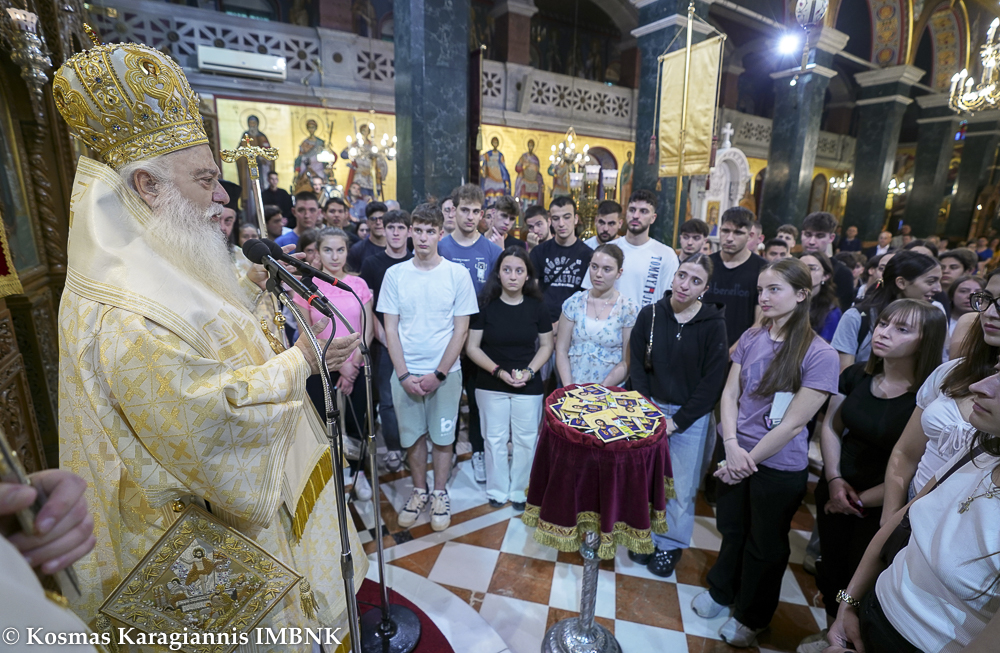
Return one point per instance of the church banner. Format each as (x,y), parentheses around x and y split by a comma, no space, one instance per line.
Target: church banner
(706,58)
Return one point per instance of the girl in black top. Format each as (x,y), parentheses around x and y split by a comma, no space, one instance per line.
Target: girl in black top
(502,341)
(861,427)
(679,354)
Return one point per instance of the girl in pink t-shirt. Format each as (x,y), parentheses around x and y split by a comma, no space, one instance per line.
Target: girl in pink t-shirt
(332,245)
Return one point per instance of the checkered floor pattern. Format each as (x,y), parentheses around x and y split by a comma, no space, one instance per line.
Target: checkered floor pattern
(489,560)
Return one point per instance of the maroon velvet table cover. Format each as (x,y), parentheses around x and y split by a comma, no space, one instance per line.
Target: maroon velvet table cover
(580,483)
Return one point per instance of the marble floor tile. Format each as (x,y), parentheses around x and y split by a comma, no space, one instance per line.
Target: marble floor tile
(519,540)
(462,565)
(520,577)
(490,537)
(649,602)
(521,624)
(567,585)
(640,637)
(789,626)
(705,535)
(421,562)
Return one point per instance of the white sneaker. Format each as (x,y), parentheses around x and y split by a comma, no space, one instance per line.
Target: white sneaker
(814,643)
(414,506)
(362,489)
(393,461)
(440,510)
(705,606)
(479,466)
(736,634)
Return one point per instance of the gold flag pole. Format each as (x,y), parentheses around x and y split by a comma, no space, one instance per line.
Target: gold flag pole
(250,152)
(684,112)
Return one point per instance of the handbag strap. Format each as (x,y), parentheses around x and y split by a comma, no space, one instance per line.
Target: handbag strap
(649,344)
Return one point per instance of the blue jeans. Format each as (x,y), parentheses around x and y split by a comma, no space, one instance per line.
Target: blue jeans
(386,411)
(687,450)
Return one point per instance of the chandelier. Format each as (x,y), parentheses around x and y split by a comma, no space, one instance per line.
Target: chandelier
(965,94)
(567,154)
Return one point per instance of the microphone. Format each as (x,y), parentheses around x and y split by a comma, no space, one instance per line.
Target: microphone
(258,252)
(278,254)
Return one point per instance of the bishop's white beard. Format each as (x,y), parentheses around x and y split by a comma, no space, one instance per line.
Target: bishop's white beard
(191,238)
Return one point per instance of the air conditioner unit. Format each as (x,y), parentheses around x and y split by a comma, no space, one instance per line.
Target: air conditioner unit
(244,64)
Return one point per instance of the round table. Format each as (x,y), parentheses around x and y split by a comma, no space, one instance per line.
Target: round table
(589,495)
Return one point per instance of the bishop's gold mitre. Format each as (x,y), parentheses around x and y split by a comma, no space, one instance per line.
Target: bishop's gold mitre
(128,102)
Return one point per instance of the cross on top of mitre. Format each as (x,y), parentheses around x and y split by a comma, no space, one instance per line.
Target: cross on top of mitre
(251,153)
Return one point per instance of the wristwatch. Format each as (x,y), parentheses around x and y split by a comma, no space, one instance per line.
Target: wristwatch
(441,376)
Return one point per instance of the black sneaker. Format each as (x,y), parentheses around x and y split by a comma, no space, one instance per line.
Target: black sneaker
(497,504)
(663,562)
(640,558)
(518,505)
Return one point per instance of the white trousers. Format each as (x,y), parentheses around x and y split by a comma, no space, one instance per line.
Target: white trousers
(506,417)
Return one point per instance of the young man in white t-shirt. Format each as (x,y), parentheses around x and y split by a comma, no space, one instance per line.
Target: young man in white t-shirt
(427,302)
(649,264)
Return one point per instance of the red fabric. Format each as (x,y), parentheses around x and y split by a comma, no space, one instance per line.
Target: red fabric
(431,639)
(575,472)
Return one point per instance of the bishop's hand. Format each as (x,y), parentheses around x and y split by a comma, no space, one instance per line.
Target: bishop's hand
(340,349)
(64,527)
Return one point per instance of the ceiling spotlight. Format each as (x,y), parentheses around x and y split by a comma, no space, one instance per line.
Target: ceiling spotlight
(789,44)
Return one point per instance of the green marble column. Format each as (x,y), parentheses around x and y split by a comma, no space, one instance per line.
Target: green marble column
(659,22)
(431,61)
(798,109)
(883,99)
(935,143)
(979,151)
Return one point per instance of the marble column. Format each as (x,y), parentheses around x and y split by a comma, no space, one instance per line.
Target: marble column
(659,22)
(979,152)
(881,102)
(432,62)
(935,143)
(798,110)
(512,37)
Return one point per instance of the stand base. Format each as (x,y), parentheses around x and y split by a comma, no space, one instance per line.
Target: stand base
(403,635)
(567,636)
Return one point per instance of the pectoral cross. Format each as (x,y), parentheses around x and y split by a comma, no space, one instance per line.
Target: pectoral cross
(251,152)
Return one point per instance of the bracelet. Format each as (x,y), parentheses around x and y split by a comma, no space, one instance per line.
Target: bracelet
(531,373)
(732,439)
(404,377)
(496,372)
(834,479)
(844,597)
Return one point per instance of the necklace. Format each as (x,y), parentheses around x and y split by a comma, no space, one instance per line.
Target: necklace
(991,493)
(598,311)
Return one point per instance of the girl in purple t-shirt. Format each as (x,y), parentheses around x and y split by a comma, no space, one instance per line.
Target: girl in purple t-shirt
(782,374)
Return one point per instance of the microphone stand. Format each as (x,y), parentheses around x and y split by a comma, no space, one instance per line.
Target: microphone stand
(389,628)
(334,436)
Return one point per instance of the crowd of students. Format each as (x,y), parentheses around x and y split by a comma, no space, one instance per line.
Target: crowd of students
(887,359)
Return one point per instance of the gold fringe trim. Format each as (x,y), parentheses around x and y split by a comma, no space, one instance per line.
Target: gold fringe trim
(10,284)
(320,476)
(568,538)
(668,487)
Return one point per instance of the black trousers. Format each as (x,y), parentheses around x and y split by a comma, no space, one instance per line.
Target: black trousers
(878,634)
(754,518)
(844,539)
(469,371)
(355,410)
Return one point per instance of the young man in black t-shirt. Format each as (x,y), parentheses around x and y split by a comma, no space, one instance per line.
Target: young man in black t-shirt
(397,229)
(562,261)
(819,230)
(734,279)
